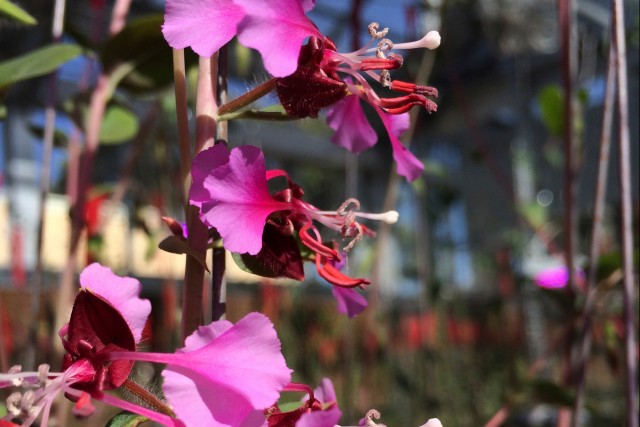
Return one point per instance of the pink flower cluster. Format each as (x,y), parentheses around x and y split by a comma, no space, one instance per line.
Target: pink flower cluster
(314,76)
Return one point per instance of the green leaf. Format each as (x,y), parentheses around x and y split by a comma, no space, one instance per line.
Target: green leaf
(36,63)
(551,101)
(119,125)
(126,419)
(142,44)
(534,213)
(16,13)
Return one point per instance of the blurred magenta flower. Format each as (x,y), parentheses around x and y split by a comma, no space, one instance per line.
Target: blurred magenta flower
(231,190)
(557,277)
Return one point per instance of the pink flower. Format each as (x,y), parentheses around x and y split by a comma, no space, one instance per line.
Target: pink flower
(557,277)
(317,84)
(226,375)
(231,190)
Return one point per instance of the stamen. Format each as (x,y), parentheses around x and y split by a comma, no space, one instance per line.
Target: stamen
(373,31)
(368,418)
(384,45)
(406,87)
(13,404)
(43,374)
(385,78)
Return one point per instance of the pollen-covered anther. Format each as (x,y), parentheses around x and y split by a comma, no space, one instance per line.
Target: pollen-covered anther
(385,78)
(393,62)
(14,404)
(374,33)
(15,369)
(407,87)
(43,374)
(384,45)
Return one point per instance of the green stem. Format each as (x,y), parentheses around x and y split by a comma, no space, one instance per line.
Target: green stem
(249,97)
(272,116)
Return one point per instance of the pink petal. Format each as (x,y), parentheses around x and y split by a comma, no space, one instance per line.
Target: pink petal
(239,201)
(350,302)
(325,392)
(230,380)
(308,5)
(432,422)
(320,418)
(396,124)
(201,167)
(276,28)
(352,129)
(203,25)
(122,292)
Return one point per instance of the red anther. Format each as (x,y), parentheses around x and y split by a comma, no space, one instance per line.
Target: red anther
(407,87)
(381,63)
(334,276)
(402,104)
(315,246)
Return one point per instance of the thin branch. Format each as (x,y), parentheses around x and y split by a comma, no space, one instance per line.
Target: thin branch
(182,116)
(584,344)
(218,254)
(45,183)
(206,110)
(631,349)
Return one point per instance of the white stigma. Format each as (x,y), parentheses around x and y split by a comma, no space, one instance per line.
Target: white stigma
(389,217)
(430,41)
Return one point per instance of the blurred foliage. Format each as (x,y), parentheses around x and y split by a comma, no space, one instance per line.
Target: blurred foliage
(16,13)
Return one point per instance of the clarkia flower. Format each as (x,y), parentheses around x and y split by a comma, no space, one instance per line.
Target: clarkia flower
(326,78)
(315,76)
(231,190)
(239,365)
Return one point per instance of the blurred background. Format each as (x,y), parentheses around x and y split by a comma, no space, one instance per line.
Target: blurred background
(456,326)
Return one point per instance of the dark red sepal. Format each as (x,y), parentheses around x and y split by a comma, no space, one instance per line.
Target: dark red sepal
(310,88)
(279,256)
(96,328)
